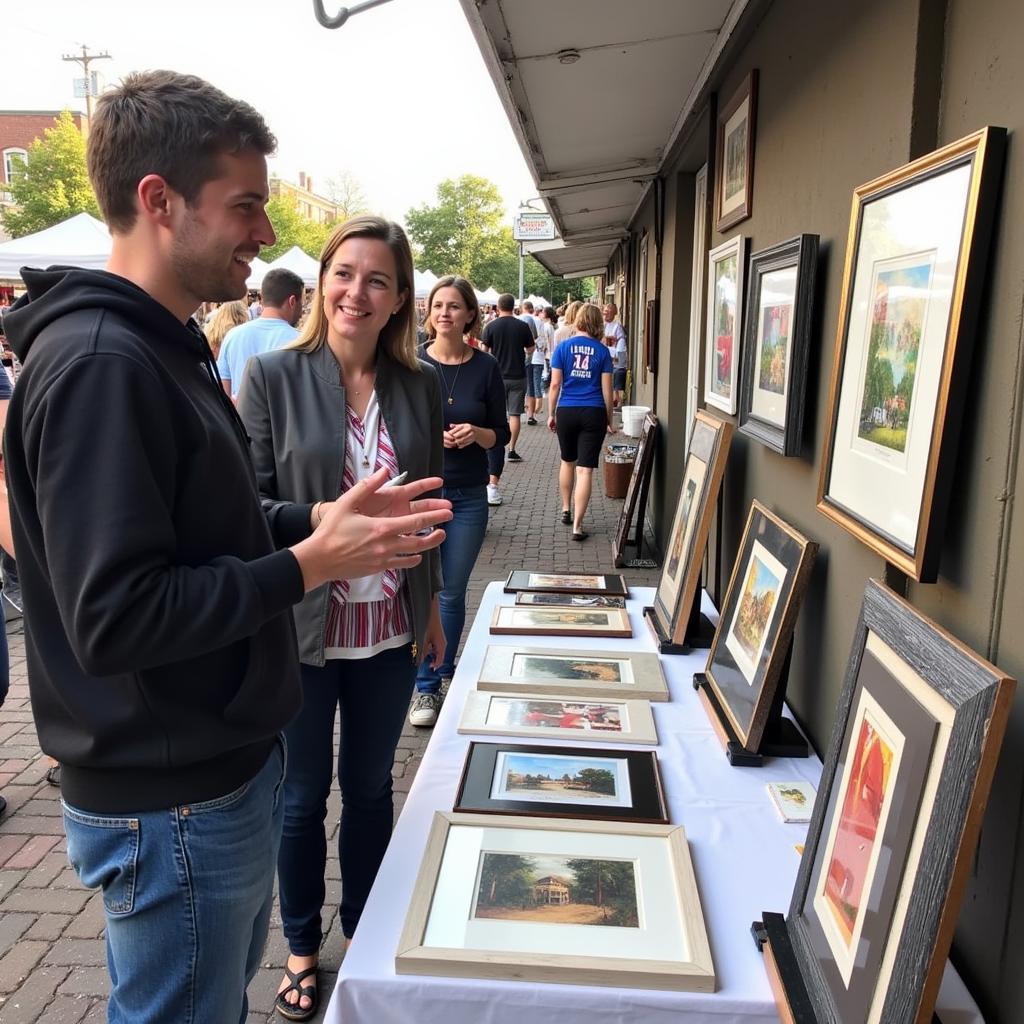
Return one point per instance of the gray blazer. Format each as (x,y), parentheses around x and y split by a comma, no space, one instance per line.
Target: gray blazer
(293,406)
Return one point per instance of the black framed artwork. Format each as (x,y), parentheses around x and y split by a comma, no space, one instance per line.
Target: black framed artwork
(563,782)
(776,341)
(540,582)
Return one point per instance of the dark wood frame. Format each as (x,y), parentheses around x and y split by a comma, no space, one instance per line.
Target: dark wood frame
(750,731)
(614,583)
(636,492)
(669,625)
(802,253)
(532,599)
(979,696)
(622,631)
(651,336)
(644,784)
(747,89)
(984,152)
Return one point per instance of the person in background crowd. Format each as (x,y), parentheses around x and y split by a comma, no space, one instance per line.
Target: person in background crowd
(228,315)
(567,330)
(509,340)
(539,359)
(347,399)
(161,650)
(255,307)
(7,543)
(474,421)
(281,297)
(615,339)
(580,410)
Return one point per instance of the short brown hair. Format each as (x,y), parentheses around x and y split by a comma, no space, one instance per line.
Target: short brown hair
(398,337)
(465,289)
(590,321)
(166,123)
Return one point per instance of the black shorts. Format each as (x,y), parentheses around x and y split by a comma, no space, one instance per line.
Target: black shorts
(581,431)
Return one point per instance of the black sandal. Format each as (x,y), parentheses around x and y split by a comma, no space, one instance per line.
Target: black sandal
(582,535)
(293,1011)
(566,518)
(53,775)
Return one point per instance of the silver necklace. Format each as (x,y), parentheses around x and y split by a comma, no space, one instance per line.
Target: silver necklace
(455,379)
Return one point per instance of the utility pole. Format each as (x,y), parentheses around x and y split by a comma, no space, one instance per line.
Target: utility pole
(85,60)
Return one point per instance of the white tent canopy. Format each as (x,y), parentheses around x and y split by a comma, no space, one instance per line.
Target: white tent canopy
(489,296)
(257,268)
(79,241)
(538,301)
(298,262)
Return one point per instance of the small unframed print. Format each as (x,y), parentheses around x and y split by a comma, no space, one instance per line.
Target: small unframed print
(793,800)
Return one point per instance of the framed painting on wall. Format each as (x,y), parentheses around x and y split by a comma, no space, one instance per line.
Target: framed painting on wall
(776,340)
(550,670)
(562,782)
(516,620)
(566,718)
(681,569)
(605,903)
(915,265)
(773,567)
(726,271)
(918,729)
(734,155)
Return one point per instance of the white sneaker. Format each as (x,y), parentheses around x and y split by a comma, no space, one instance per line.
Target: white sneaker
(493,495)
(424,710)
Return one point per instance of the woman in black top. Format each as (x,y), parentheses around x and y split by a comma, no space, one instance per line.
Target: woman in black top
(473,406)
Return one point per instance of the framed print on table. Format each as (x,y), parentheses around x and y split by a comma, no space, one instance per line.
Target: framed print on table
(680,574)
(566,583)
(734,155)
(553,717)
(562,782)
(776,339)
(570,600)
(893,832)
(772,570)
(567,902)
(621,674)
(915,263)
(726,269)
(516,620)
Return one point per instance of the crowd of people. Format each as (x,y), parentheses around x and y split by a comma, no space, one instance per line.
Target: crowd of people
(274,520)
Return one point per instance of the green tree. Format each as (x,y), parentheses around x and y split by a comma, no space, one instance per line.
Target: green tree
(54,185)
(292,228)
(598,780)
(506,879)
(610,884)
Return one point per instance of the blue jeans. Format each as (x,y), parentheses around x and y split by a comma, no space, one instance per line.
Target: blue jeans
(373,694)
(534,380)
(187,894)
(464,534)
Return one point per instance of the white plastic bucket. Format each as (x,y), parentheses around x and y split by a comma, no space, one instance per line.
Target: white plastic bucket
(633,419)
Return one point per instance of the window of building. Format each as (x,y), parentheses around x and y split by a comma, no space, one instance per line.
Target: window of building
(14,163)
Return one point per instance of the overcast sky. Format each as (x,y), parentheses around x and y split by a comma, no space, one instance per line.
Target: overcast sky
(399,96)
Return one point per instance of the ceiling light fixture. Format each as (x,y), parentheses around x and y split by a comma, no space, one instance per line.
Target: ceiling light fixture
(568,56)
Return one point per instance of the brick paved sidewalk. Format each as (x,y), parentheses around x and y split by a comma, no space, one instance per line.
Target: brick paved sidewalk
(52,956)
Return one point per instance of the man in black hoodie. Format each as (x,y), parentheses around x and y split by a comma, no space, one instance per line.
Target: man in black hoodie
(161,649)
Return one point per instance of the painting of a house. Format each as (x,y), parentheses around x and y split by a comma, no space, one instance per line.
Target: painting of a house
(551,889)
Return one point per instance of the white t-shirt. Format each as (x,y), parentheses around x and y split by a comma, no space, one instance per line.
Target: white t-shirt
(615,330)
(545,338)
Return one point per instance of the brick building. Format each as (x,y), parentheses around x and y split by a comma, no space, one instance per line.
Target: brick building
(310,205)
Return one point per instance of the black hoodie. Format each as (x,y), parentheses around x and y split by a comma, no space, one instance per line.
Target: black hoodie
(161,648)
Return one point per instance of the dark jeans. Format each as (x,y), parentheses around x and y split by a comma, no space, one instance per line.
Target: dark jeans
(373,694)
(464,534)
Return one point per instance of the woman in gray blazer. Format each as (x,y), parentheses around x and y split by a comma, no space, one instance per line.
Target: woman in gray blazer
(346,398)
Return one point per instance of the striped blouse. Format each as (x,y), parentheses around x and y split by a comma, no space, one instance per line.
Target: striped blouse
(371,614)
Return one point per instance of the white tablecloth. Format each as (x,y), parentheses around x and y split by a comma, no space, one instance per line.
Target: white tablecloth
(743,856)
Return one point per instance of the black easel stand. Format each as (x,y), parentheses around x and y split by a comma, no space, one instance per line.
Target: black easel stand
(781,737)
(700,630)
(787,983)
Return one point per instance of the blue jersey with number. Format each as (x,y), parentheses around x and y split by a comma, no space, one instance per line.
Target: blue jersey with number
(582,360)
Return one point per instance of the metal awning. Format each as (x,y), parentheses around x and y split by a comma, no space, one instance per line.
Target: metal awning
(598,92)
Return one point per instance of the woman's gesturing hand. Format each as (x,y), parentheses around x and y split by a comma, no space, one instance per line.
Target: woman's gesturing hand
(368,530)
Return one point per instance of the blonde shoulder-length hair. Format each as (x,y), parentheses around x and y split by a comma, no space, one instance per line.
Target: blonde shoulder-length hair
(398,337)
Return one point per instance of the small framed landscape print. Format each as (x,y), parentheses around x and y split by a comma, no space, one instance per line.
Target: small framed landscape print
(680,573)
(726,271)
(631,675)
(570,600)
(900,804)
(772,570)
(566,583)
(562,782)
(734,155)
(636,492)
(567,718)
(607,903)
(516,620)
(915,265)
(776,339)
